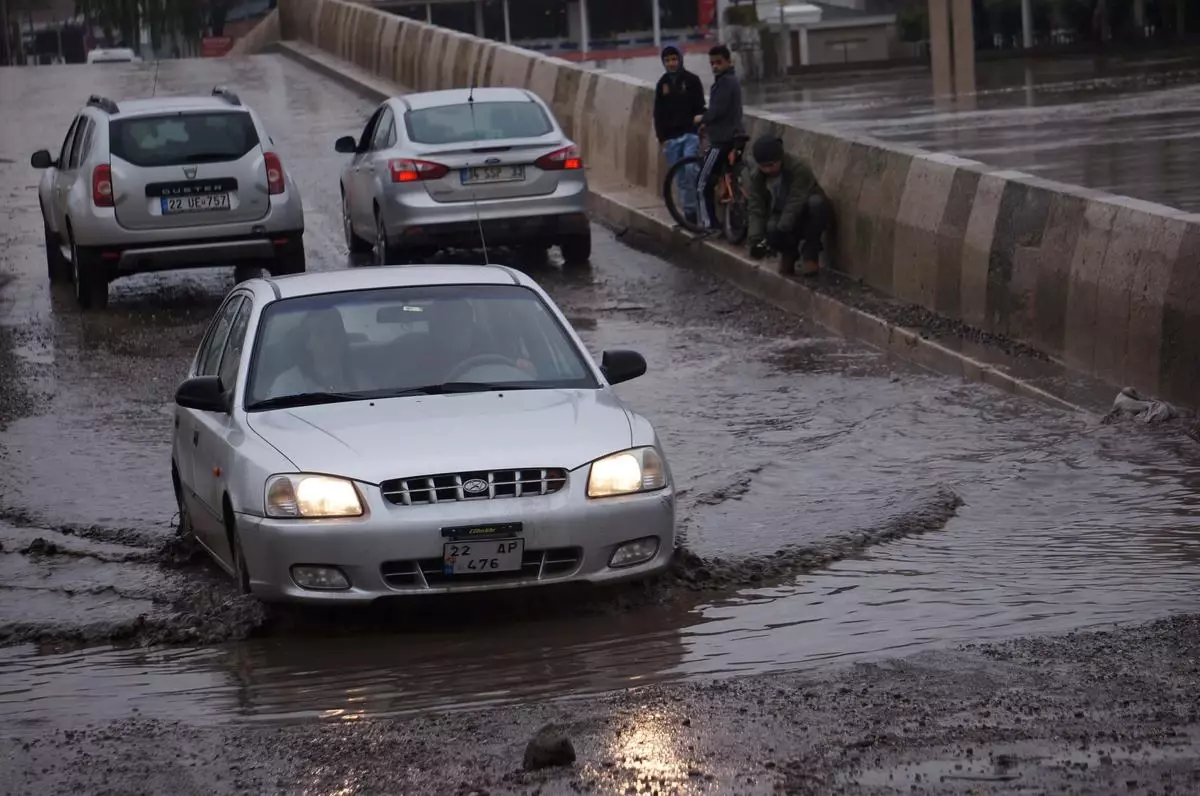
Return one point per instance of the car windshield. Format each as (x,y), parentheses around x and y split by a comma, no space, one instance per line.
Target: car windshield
(178,138)
(409,341)
(452,124)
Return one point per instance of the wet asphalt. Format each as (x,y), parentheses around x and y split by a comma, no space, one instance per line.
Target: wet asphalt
(836,505)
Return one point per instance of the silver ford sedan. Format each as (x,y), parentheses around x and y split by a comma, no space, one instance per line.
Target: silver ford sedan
(366,433)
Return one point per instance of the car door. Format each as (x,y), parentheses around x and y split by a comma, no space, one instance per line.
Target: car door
(217,431)
(362,196)
(196,482)
(60,181)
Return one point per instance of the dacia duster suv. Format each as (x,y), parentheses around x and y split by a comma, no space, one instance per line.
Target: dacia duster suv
(166,183)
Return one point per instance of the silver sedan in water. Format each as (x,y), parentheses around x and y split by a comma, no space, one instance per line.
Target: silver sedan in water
(369,433)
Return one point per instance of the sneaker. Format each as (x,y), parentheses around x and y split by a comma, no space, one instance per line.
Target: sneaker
(810,268)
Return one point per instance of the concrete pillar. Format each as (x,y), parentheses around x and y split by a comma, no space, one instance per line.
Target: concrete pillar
(585,29)
(1027,23)
(429,13)
(939,47)
(507,25)
(964,47)
(804,45)
(657,25)
(479,18)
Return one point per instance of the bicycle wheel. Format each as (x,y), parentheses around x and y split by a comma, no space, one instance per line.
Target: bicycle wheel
(736,219)
(680,194)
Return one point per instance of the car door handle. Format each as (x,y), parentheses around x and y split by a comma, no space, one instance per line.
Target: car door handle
(195,437)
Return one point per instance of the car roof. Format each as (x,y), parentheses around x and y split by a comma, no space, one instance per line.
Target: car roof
(143,107)
(375,277)
(458,96)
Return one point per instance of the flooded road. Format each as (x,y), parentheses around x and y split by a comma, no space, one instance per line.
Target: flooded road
(1126,125)
(835,505)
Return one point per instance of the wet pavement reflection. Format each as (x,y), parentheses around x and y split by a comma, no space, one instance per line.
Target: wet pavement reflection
(1123,124)
(780,436)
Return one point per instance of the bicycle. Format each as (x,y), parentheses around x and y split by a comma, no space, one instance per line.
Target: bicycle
(729,196)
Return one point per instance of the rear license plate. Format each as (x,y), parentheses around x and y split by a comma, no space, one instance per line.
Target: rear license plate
(476,558)
(477,175)
(195,204)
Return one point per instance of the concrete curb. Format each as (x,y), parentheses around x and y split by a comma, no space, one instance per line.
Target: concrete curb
(786,293)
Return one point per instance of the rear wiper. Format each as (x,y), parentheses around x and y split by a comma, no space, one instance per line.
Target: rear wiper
(452,387)
(306,399)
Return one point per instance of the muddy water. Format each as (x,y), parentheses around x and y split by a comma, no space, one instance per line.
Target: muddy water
(815,476)
(1127,125)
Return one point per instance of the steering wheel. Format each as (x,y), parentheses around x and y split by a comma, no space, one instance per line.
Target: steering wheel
(476,361)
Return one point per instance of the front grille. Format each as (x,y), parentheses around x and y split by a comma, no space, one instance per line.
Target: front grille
(483,485)
(535,565)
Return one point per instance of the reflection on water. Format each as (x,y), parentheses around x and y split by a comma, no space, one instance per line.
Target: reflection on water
(1124,125)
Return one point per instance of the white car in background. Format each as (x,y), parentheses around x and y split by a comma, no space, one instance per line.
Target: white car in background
(368,433)
(460,169)
(113,55)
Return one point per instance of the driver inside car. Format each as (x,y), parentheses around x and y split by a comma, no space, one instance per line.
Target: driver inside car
(319,356)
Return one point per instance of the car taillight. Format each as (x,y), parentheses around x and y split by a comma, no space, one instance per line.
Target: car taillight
(565,158)
(405,170)
(274,173)
(102,186)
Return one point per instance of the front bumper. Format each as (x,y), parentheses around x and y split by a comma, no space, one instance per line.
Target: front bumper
(397,550)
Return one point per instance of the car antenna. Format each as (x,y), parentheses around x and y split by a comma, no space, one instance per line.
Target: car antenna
(474,192)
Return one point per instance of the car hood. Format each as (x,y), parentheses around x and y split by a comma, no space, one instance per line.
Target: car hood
(374,441)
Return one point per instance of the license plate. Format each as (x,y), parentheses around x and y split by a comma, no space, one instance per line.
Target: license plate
(477,558)
(195,204)
(485,174)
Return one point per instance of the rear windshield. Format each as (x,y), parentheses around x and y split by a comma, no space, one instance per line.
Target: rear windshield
(451,124)
(171,139)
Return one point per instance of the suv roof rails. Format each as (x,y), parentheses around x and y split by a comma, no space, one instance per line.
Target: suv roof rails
(103,103)
(226,94)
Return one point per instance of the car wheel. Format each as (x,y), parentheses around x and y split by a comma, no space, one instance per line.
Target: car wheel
(185,529)
(355,244)
(241,572)
(57,267)
(384,254)
(244,272)
(577,250)
(91,283)
(289,258)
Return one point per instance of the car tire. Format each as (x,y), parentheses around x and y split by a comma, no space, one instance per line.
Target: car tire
(58,268)
(185,529)
(91,281)
(241,572)
(355,244)
(577,250)
(244,272)
(289,258)
(385,253)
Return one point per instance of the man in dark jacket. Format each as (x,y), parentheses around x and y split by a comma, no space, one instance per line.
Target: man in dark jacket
(678,99)
(788,210)
(723,121)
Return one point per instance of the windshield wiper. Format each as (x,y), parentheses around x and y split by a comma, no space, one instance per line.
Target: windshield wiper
(306,399)
(452,387)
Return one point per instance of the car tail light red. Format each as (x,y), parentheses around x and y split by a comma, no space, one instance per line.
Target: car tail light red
(102,186)
(566,158)
(274,173)
(405,170)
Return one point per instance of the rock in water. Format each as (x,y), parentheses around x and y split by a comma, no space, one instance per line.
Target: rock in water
(549,748)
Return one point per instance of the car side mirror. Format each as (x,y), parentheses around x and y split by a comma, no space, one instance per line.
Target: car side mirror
(42,160)
(203,393)
(619,366)
(346,145)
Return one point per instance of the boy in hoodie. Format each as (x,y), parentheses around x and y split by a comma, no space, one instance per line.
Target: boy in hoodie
(678,99)
(788,210)
(723,120)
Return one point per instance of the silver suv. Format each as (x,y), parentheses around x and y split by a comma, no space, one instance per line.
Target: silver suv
(166,183)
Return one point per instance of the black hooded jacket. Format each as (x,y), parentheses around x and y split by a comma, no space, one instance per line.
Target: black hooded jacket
(678,98)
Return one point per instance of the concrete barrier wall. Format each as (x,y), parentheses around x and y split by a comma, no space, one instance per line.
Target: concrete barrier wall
(1109,285)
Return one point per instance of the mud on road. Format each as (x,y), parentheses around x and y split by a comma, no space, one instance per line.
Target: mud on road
(835,505)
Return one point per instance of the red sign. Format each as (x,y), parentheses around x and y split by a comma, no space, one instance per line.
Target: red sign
(215,46)
(707,11)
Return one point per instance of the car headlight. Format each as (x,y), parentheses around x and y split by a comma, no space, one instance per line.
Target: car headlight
(304,496)
(627,472)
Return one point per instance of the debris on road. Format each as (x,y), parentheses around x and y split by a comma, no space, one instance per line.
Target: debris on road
(550,748)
